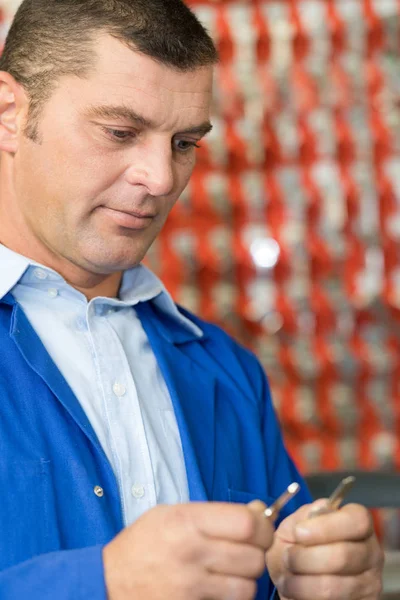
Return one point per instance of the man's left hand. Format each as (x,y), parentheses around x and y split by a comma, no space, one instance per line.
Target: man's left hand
(335,556)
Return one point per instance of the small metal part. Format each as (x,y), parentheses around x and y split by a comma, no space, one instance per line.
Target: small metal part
(338,495)
(272,512)
(335,499)
(99,491)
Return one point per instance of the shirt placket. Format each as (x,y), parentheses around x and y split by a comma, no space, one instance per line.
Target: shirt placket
(126,432)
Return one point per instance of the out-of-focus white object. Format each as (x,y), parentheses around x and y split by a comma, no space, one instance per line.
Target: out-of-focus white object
(9,8)
(11,4)
(265,252)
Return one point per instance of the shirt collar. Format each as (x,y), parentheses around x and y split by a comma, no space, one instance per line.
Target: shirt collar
(138,285)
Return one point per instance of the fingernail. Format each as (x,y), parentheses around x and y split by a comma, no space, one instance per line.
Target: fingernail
(302,534)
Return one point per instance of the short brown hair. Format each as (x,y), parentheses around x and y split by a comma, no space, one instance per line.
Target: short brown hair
(49,39)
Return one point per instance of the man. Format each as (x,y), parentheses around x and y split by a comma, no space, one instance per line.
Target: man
(122,414)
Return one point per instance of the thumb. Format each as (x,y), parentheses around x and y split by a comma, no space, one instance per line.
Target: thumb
(286,530)
(257,506)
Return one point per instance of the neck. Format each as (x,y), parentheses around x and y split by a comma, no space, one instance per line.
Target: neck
(90,285)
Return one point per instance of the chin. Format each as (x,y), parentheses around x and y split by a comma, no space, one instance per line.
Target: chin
(105,256)
(109,262)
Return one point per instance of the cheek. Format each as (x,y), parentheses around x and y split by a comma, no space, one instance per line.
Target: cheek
(84,174)
(75,182)
(184,171)
(79,163)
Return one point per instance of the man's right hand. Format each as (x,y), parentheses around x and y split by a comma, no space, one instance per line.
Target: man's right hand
(210,551)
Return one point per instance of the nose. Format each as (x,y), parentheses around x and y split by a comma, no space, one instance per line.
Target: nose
(152,167)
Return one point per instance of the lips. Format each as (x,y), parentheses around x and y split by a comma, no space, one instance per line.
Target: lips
(137,214)
(128,219)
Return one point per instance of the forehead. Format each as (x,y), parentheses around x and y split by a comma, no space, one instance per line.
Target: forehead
(158,92)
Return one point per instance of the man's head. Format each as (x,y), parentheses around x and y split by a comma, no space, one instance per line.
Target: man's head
(101,104)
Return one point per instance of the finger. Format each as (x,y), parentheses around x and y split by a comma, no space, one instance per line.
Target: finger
(257,506)
(367,586)
(234,522)
(219,587)
(342,558)
(351,523)
(229,558)
(263,530)
(286,530)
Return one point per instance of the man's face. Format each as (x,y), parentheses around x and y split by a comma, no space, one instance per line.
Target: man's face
(99,186)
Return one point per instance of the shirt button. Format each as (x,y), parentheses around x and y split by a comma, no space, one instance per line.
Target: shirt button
(119,390)
(98,309)
(40,274)
(52,292)
(81,324)
(99,491)
(138,490)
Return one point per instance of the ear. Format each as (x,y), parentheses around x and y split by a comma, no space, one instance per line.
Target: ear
(12,102)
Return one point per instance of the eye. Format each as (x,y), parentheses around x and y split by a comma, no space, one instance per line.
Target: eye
(185,145)
(120,135)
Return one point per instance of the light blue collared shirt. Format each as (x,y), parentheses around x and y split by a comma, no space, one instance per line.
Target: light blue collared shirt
(103,353)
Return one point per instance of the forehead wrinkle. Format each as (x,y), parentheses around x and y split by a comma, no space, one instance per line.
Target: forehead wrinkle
(158,85)
(133,88)
(159,96)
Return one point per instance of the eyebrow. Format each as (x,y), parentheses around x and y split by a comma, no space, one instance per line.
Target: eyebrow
(128,114)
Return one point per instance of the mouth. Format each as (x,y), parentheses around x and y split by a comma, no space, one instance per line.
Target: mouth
(128,220)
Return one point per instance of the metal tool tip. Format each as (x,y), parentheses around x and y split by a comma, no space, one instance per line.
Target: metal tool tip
(349,480)
(293,488)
